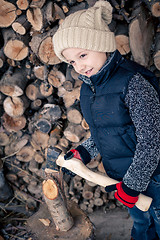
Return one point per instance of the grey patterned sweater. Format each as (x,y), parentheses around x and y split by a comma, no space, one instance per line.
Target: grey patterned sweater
(144,108)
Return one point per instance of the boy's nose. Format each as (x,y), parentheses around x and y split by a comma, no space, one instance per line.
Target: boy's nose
(80,67)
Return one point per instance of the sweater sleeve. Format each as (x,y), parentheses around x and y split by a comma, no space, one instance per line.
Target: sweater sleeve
(89,147)
(144,108)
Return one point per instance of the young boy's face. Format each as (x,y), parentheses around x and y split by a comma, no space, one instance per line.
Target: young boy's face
(85,62)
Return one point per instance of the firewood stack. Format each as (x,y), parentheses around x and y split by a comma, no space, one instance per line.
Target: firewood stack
(39,95)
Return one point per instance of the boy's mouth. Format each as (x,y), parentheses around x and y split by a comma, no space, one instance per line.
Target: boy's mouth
(89,71)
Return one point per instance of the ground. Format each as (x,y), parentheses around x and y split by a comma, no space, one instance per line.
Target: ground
(112,224)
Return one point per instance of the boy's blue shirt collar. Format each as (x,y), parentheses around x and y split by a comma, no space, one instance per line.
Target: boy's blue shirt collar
(106,69)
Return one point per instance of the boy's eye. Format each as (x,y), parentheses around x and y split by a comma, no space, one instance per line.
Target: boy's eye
(83,55)
(71,62)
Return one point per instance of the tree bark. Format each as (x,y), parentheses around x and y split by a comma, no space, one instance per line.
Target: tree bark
(55,201)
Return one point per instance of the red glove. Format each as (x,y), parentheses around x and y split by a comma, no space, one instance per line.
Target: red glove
(128,199)
(76,154)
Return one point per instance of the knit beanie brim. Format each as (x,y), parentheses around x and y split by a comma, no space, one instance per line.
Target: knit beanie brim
(94,34)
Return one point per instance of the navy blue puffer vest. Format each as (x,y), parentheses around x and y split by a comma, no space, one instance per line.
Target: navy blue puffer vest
(105,111)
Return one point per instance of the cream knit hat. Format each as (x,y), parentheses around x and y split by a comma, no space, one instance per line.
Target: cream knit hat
(86,29)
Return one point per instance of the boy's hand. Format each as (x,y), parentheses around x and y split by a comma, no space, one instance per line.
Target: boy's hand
(73,153)
(124,194)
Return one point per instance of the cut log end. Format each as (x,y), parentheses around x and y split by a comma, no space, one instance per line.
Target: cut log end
(16,50)
(50,189)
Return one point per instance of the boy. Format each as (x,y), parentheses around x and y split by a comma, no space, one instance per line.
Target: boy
(122,108)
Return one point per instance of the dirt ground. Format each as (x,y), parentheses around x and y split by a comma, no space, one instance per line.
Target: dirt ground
(113,224)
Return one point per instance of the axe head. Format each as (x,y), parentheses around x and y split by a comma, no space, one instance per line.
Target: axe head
(52,155)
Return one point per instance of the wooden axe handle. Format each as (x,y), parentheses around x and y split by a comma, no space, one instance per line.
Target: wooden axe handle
(80,169)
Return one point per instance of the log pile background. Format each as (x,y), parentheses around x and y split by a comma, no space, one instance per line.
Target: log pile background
(39,95)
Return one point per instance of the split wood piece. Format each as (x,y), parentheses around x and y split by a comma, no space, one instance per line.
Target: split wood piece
(46,89)
(153,6)
(101,168)
(22,4)
(33,166)
(38,157)
(2,97)
(69,98)
(2,58)
(37,3)
(42,46)
(53,12)
(51,112)
(97,192)
(122,39)
(65,7)
(39,140)
(4,139)
(35,17)
(74,133)
(15,106)
(85,124)
(13,124)
(69,83)
(74,115)
(15,84)
(141,33)
(26,154)
(71,188)
(64,142)
(93,164)
(77,183)
(35,188)
(21,25)
(56,78)
(15,46)
(98,202)
(33,90)
(55,135)
(36,104)
(43,125)
(56,205)
(87,191)
(15,146)
(39,71)
(156,56)
(7,13)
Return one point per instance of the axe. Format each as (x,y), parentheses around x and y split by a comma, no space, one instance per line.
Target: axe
(77,167)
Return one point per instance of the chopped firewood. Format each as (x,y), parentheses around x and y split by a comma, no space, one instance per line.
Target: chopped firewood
(74,133)
(141,32)
(157,51)
(13,85)
(56,205)
(13,124)
(35,17)
(4,139)
(21,25)
(56,78)
(46,222)
(87,191)
(15,46)
(15,106)
(7,13)
(154,7)
(22,4)
(40,139)
(122,38)
(74,115)
(26,154)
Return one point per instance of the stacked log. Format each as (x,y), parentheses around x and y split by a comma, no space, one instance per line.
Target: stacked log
(39,95)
